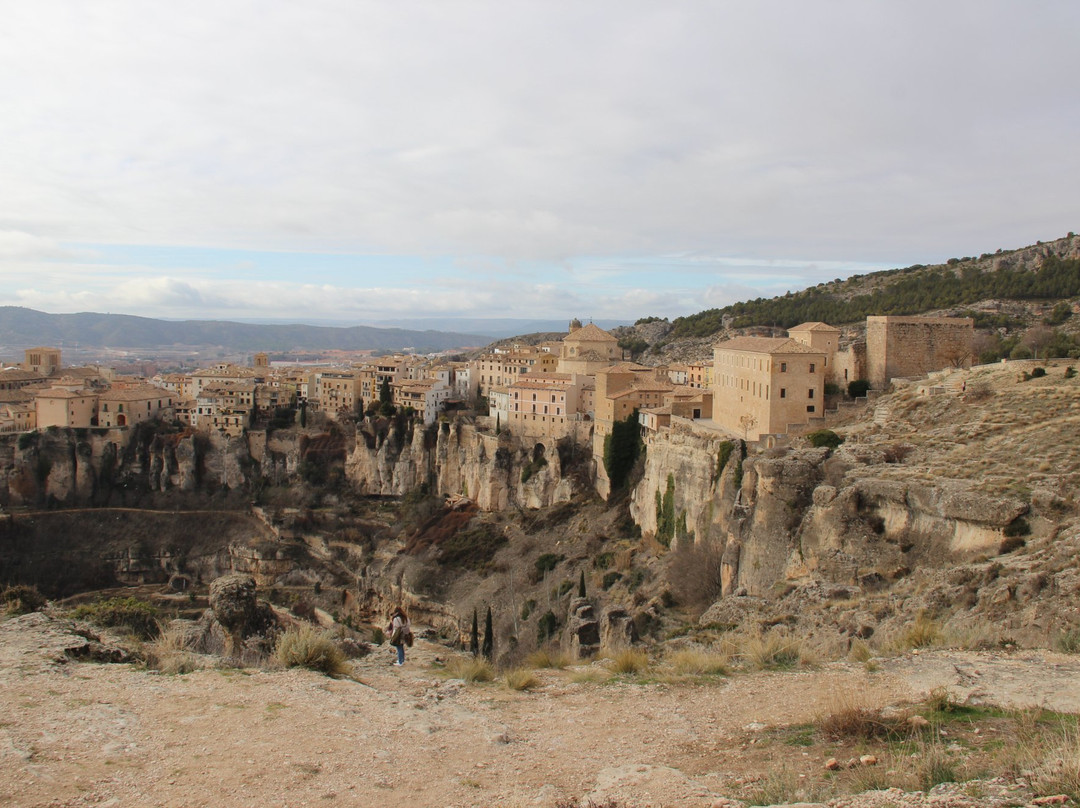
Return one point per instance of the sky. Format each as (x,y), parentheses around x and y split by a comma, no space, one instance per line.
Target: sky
(369,161)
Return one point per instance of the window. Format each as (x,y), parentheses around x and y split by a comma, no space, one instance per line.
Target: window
(809,407)
(811,367)
(783,392)
(783,367)
(810,393)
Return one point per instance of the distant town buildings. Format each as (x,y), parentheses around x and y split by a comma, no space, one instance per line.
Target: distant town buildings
(573,389)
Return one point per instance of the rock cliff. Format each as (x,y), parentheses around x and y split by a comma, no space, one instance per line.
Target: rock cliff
(791,515)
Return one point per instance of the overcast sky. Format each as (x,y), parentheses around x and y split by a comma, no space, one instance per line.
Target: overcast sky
(361,161)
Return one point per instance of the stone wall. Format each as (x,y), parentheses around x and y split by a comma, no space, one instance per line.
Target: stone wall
(912,346)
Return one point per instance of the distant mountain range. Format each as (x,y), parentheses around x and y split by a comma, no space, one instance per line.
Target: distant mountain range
(23,328)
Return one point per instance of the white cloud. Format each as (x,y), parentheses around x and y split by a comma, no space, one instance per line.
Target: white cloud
(514,132)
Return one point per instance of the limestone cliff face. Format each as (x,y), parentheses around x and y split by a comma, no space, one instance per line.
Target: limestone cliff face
(118,466)
(812,513)
(496,471)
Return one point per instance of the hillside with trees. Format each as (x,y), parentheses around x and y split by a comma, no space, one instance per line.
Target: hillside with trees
(1049,271)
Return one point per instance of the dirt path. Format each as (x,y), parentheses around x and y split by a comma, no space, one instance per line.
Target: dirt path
(80,733)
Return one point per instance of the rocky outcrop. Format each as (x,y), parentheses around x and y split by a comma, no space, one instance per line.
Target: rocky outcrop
(789,515)
(236,610)
(496,471)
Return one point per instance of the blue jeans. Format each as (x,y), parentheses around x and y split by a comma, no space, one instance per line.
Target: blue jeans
(401,654)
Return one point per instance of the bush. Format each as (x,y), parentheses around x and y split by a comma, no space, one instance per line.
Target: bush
(610,579)
(169,654)
(311,648)
(521,680)
(694,573)
(470,669)
(824,438)
(546,627)
(831,389)
(699,662)
(548,658)
(630,660)
(138,616)
(546,563)
(21,599)
(857,388)
(773,651)
(1070,372)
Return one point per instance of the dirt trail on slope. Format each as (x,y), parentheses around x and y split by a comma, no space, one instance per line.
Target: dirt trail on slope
(81,733)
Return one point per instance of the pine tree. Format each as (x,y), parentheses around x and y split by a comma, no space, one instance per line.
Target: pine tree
(489,636)
(474,637)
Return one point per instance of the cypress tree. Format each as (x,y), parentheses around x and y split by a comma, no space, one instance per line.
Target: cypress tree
(489,636)
(581,585)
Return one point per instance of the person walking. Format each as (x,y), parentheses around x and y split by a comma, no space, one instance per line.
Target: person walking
(400,632)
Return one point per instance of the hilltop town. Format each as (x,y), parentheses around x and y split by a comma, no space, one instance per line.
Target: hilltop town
(755,388)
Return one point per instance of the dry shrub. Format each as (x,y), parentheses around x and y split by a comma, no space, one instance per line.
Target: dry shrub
(1056,768)
(629,660)
(548,658)
(169,654)
(470,669)
(923,633)
(311,648)
(700,662)
(772,651)
(21,599)
(851,717)
(521,679)
(694,574)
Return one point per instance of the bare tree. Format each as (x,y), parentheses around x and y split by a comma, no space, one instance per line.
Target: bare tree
(1037,338)
(747,422)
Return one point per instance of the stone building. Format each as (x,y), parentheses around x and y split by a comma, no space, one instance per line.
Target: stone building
(900,347)
(127,406)
(762,385)
(587,349)
(42,361)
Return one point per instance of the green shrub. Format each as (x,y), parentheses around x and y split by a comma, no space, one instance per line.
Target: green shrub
(136,615)
(311,648)
(722,454)
(1038,373)
(546,563)
(1070,372)
(610,579)
(546,627)
(831,389)
(21,599)
(824,437)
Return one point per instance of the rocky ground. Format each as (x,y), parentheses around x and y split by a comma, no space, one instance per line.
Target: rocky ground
(79,732)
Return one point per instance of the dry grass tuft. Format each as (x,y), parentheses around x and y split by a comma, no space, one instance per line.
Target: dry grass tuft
(548,658)
(851,717)
(588,676)
(169,654)
(630,660)
(925,632)
(700,662)
(772,651)
(311,648)
(470,669)
(521,679)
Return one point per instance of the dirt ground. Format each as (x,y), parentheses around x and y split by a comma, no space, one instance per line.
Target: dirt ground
(86,733)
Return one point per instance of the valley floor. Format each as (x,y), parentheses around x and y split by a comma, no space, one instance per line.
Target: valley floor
(83,733)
